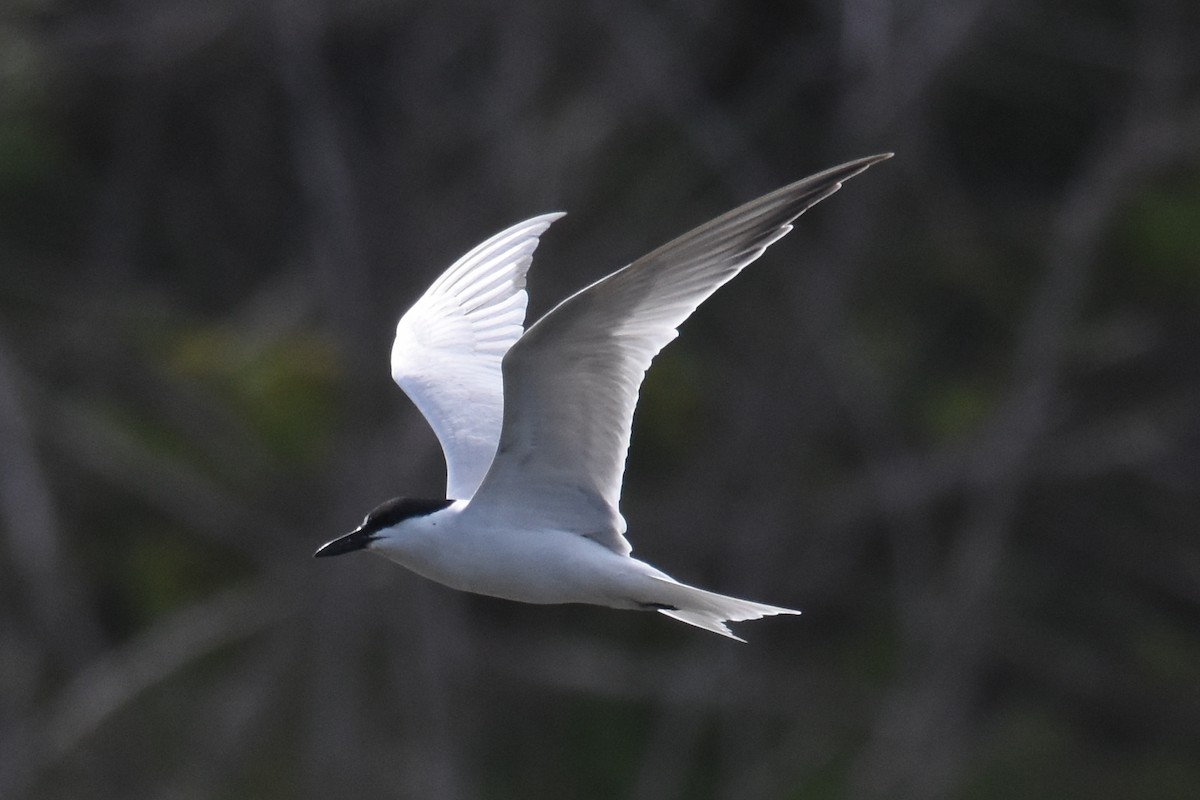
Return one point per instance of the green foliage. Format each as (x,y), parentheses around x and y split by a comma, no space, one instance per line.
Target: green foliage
(210,217)
(1158,237)
(283,386)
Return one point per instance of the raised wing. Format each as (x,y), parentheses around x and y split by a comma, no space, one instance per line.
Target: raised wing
(571,383)
(449,345)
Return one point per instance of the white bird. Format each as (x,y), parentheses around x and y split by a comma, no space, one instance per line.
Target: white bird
(535,424)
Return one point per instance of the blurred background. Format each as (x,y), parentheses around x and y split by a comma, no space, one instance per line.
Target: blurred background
(953,417)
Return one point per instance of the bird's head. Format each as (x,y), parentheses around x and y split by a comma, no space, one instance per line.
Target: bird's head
(384,516)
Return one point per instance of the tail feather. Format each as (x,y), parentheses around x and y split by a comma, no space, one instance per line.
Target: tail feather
(709,610)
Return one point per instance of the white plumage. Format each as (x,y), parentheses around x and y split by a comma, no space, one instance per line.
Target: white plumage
(449,345)
(535,425)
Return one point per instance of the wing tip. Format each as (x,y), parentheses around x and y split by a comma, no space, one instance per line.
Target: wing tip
(541,222)
(852,168)
(868,161)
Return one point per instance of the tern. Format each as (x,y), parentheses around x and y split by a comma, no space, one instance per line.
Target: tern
(535,424)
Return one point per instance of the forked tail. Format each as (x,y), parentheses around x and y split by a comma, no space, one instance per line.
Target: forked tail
(710,610)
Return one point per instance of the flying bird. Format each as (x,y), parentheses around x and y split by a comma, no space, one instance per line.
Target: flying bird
(535,424)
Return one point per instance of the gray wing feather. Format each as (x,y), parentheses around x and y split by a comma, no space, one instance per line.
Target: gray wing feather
(571,381)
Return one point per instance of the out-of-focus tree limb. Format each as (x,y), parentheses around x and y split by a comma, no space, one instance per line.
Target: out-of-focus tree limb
(927,711)
(34,541)
(113,680)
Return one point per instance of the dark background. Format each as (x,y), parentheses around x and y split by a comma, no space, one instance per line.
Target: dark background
(954,417)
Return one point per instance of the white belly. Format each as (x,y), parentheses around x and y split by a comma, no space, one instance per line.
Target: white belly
(529,566)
